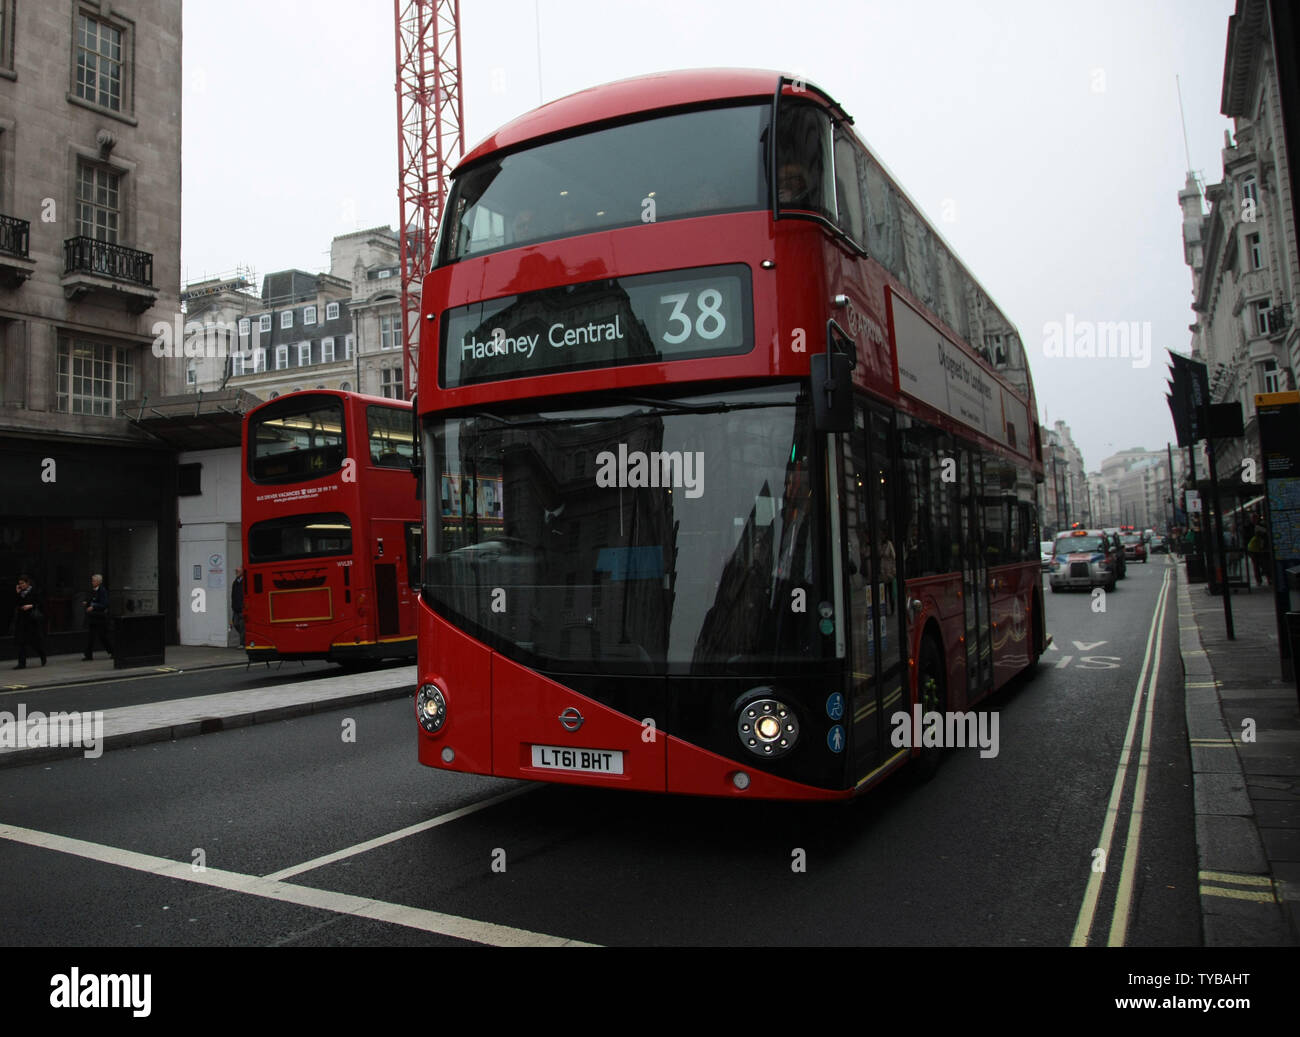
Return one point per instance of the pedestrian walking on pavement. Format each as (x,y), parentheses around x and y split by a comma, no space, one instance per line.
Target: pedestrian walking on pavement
(237,605)
(28,620)
(1257,548)
(97,618)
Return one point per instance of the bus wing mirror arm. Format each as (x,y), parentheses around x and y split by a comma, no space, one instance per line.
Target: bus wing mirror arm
(832,383)
(417,456)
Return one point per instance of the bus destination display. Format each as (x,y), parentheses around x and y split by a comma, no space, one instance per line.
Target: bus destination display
(629,320)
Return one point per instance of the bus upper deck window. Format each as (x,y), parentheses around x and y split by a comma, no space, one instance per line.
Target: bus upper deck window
(804,177)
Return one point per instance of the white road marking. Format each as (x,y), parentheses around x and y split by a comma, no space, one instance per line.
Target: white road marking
(1088,646)
(289,893)
(1065,661)
(392,837)
(1083,926)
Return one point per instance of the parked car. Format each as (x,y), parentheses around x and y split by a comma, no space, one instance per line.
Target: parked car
(1083,558)
(1159,545)
(1045,550)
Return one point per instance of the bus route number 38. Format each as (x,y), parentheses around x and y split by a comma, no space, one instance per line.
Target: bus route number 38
(709,321)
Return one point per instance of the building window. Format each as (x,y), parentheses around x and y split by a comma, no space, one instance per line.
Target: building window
(99,205)
(309,315)
(264,322)
(236,365)
(93,378)
(390,383)
(304,354)
(348,345)
(99,63)
(259,360)
(244,328)
(389,333)
(1263,316)
(1272,377)
(286,319)
(189,480)
(6,34)
(281,357)
(331,311)
(327,351)
(192,373)
(1249,190)
(1256,248)
(345,386)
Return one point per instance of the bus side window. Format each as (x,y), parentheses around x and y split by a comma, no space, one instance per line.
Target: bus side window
(848,194)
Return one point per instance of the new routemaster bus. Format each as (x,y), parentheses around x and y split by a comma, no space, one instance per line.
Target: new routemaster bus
(728,462)
(331,528)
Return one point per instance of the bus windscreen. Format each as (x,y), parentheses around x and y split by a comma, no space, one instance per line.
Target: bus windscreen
(687,164)
(302,439)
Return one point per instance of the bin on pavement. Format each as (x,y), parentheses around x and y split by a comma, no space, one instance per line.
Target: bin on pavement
(1293,587)
(138,640)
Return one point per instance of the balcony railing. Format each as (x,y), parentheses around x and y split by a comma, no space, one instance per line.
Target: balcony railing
(15,236)
(1279,319)
(88,256)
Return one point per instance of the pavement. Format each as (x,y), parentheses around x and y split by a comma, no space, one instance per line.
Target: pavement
(179,718)
(1243,725)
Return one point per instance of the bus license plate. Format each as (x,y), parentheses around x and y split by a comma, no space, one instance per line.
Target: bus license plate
(566,758)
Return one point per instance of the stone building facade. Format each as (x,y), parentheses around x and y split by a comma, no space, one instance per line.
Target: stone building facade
(90,230)
(1242,253)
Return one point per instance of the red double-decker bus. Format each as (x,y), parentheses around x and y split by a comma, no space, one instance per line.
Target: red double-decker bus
(729,462)
(331,528)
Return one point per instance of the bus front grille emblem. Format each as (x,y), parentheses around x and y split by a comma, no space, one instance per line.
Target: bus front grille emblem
(571,719)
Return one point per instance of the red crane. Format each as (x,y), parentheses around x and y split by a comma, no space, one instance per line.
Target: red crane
(430,138)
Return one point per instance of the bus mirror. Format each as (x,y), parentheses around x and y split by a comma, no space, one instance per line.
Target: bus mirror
(832,385)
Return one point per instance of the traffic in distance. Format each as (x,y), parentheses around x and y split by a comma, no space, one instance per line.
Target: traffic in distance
(1085,558)
(332,529)
(706,525)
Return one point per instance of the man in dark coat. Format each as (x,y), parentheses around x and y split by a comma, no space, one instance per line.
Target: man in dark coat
(237,605)
(97,617)
(28,621)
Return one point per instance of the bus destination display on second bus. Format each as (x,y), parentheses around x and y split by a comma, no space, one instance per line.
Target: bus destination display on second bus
(630,320)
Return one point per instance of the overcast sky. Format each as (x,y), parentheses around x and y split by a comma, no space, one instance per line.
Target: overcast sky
(1046,132)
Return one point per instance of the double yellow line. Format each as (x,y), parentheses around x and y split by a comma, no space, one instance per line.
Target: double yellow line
(1146,685)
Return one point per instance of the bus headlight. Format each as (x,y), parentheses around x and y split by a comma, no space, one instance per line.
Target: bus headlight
(767,727)
(431,708)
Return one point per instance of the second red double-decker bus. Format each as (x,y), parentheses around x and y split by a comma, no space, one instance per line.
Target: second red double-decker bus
(730,464)
(331,528)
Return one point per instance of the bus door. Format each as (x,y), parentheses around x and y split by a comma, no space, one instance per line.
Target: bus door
(875,642)
(974,580)
(389,547)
